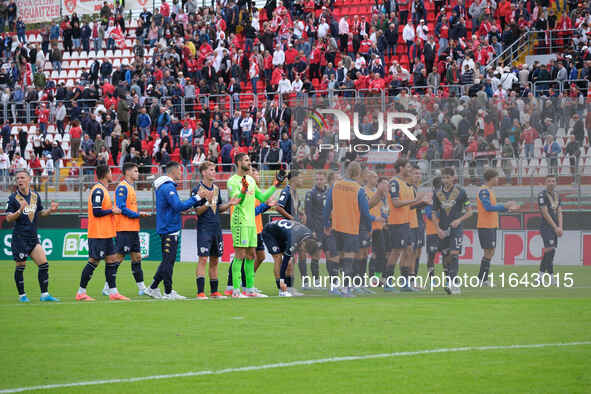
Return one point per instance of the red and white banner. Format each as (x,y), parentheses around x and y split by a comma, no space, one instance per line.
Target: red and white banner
(35,11)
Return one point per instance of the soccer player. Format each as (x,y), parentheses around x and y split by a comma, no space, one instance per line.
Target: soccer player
(346,206)
(127,225)
(101,230)
(451,207)
(551,225)
(488,221)
(283,238)
(378,207)
(287,206)
(400,199)
(360,264)
(168,225)
(431,231)
(210,244)
(260,208)
(24,207)
(419,228)
(314,207)
(242,222)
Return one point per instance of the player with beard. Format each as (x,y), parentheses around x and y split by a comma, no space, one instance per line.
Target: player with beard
(551,225)
(243,224)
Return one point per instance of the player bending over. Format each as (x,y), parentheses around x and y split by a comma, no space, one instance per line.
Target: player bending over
(283,238)
(24,207)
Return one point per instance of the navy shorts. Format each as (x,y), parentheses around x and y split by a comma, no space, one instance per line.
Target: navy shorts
(398,235)
(411,238)
(346,243)
(260,242)
(22,247)
(549,237)
(453,242)
(419,237)
(100,248)
(433,243)
(487,238)
(169,244)
(329,244)
(274,246)
(210,243)
(127,242)
(365,239)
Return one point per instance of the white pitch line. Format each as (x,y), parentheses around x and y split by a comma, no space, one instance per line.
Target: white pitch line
(293,364)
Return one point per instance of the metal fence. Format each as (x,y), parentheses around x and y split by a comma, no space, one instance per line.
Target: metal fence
(71,191)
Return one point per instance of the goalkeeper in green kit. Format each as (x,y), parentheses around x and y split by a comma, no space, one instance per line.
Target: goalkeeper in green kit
(242,222)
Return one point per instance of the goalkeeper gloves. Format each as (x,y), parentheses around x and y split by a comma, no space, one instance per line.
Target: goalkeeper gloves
(244,185)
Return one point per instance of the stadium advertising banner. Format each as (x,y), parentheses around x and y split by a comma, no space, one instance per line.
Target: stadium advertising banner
(69,244)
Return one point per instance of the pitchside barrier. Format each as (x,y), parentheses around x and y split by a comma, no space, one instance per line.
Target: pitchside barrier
(514,247)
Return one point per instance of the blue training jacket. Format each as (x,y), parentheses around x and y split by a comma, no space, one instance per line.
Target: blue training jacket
(169,206)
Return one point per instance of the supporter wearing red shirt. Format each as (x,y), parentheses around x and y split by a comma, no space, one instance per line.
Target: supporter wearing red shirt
(108,88)
(205,49)
(165,9)
(110,102)
(75,137)
(43,115)
(376,84)
(276,76)
(361,81)
(365,46)
(504,10)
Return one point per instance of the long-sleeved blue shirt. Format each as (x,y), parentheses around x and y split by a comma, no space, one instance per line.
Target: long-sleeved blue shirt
(362,202)
(121,201)
(169,206)
(484,197)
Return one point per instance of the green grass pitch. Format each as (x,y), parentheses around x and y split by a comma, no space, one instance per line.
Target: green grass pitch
(69,342)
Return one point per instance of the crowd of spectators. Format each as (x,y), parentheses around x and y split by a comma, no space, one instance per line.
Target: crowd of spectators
(188,92)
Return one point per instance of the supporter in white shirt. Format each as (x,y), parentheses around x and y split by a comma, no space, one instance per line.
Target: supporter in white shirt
(470,62)
(508,79)
(422,30)
(246,124)
(359,62)
(278,56)
(298,29)
(284,85)
(4,166)
(323,29)
(343,26)
(296,85)
(408,33)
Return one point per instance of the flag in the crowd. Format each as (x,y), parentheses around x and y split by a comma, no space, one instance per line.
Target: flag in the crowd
(118,36)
